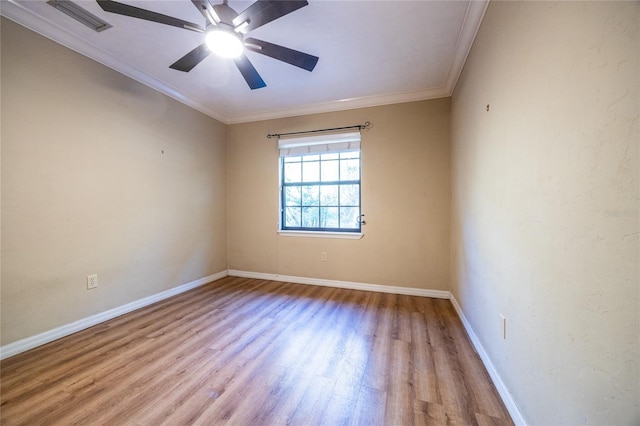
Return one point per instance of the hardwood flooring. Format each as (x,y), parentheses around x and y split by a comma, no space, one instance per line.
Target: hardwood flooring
(251,352)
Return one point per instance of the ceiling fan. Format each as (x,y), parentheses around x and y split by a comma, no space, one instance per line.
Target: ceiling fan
(225,31)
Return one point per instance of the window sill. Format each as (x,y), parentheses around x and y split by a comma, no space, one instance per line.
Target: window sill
(320,234)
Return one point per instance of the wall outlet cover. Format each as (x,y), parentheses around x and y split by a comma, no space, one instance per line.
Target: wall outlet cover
(92,281)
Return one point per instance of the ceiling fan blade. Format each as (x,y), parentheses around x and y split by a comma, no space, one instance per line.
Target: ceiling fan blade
(201,5)
(206,9)
(281,53)
(249,72)
(264,11)
(136,12)
(191,59)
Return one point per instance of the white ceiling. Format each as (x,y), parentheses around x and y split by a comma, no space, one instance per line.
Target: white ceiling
(371,53)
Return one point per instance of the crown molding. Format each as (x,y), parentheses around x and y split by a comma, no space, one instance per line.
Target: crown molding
(471,23)
(470,26)
(342,105)
(23,16)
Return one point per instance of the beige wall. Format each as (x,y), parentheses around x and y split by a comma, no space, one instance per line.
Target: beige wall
(86,188)
(545,205)
(405,197)
(101,174)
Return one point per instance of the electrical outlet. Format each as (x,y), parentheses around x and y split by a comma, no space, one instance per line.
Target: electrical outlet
(503,326)
(323,256)
(92,281)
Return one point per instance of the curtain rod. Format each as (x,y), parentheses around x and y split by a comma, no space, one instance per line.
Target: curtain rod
(366,125)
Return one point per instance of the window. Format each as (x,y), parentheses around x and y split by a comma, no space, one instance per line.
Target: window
(320,183)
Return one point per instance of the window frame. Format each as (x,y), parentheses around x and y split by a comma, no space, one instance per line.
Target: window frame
(320,231)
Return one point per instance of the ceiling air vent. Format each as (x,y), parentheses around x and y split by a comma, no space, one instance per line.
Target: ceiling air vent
(79,14)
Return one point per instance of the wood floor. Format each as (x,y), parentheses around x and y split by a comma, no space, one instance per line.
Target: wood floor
(251,352)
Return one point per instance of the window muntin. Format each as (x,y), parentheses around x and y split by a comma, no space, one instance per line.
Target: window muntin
(321,192)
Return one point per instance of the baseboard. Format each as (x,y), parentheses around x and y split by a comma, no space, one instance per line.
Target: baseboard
(410,291)
(508,400)
(23,345)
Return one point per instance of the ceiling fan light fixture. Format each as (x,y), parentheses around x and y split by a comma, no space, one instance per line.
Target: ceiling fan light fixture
(224,33)
(223,42)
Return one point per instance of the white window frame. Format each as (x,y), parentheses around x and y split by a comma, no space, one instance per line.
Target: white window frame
(317,145)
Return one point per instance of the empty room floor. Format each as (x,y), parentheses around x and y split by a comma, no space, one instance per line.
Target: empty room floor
(254,352)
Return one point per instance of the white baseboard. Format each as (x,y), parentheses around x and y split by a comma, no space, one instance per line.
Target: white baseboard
(410,291)
(23,345)
(508,400)
(504,393)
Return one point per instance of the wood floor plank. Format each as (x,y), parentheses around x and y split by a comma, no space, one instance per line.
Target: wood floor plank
(181,402)
(283,399)
(311,408)
(453,389)
(427,413)
(402,318)
(339,410)
(368,322)
(423,366)
(350,372)
(400,391)
(377,369)
(370,407)
(241,351)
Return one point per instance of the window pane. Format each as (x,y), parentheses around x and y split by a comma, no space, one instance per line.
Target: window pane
(329,217)
(349,217)
(349,195)
(350,169)
(292,196)
(311,195)
(329,195)
(332,156)
(330,171)
(292,172)
(292,216)
(310,217)
(316,195)
(311,171)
